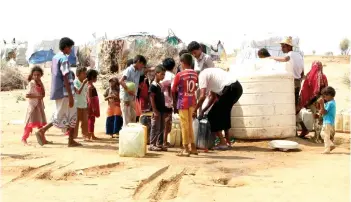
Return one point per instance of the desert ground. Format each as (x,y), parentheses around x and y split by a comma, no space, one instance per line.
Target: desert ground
(250,172)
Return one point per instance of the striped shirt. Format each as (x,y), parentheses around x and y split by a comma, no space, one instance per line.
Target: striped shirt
(65,69)
(60,68)
(185,84)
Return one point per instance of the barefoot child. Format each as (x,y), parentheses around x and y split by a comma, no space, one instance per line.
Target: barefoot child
(328,110)
(114,119)
(127,96)
(80,100)
(62,91)
(35,117)
(169,65)
(158,107)
(93,102)
(185,84)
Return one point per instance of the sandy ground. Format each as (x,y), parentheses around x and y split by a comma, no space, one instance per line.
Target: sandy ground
(95,172)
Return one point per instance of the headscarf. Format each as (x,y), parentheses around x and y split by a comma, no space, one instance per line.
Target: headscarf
(314,82)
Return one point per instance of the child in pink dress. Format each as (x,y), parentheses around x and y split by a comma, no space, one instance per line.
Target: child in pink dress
(35,117)
(93,102)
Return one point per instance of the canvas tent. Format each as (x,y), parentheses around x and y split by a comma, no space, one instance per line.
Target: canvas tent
(15,50)
(251,45)
(43,51)
(215,50)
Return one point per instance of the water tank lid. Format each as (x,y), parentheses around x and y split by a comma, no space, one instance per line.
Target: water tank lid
(283,144)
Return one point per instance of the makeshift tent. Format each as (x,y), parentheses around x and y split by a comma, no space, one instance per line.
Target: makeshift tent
(113,54)
(251,45)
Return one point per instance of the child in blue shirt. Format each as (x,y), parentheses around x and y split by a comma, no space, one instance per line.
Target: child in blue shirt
(328,110)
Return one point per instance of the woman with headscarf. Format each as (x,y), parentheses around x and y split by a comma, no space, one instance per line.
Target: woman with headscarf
(314,82)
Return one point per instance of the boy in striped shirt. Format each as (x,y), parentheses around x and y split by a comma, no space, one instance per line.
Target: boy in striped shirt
(185,85)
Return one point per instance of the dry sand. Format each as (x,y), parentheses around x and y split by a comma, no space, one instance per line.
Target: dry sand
(95,172)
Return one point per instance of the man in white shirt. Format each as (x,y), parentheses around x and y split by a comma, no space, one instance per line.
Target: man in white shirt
(220,84)
(295,64)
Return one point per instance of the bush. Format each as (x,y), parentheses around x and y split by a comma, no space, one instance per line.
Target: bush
(12,79)
(344,46)
(329,53)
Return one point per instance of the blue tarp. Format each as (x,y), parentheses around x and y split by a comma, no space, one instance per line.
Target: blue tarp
(43,56)
(72,57)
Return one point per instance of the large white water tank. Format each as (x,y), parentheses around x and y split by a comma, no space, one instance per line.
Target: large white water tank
(266,110)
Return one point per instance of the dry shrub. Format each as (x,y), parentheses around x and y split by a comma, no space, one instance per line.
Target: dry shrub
(84,56)
(113,57)
(154,51)
(344,46)
(11,79)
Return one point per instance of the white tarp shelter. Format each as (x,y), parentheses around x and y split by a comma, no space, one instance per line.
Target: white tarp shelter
(251,44)
(19,47)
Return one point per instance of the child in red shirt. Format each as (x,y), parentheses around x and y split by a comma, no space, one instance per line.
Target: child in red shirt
(185,84)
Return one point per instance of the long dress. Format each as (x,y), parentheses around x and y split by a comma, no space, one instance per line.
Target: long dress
(93,108)
(314,83)
(35,116)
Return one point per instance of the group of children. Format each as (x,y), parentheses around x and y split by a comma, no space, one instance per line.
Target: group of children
(76,101)
(172,93)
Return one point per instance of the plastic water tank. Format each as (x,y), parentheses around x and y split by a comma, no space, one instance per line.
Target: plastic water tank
(266,110)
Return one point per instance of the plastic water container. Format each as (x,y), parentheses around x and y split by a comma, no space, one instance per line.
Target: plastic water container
(346,122)
(132,140)
(203,136)
(175,136)
(307,119)
(339,122)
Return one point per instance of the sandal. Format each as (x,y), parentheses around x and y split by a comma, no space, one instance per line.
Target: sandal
(154,148)
(303,134)
(183,153)
(39,139)
(221,147)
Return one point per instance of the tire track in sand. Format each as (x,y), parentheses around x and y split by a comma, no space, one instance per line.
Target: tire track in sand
(161,186)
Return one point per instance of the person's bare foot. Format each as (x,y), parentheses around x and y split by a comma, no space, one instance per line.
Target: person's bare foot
(25,143)
(193,149)
(327,151)
(39,136)
(48,142)
(86,139)
(332,148)
(93,137)
(73,143)
(184,153)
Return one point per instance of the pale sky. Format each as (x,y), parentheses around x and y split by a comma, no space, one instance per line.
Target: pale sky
(320,25)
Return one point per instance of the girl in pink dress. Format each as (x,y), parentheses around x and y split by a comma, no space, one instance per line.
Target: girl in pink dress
(35,117)
(93,103)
